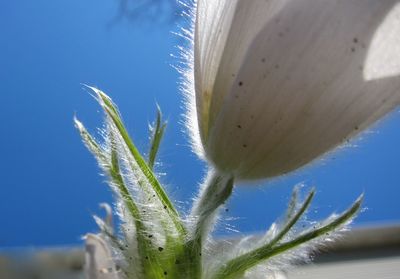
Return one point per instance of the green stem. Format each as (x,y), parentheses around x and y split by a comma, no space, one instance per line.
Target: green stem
(218,188)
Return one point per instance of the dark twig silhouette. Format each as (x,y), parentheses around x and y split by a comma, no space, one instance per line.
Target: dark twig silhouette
(153,11)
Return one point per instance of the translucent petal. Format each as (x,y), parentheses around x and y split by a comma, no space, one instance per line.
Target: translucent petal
(300,89)
(213,21)
(223,33)
(249,19)
(383,59)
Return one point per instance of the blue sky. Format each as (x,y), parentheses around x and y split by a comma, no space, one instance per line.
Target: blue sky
(50,184)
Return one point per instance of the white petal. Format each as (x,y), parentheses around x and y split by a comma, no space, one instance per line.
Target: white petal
(213,21)
(249,19)
(383,59)
(223,33)
(98,259)
(300,89)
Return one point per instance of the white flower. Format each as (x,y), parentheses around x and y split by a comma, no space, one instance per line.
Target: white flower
(280,82)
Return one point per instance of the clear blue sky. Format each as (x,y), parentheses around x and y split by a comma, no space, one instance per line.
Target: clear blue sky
(50,184)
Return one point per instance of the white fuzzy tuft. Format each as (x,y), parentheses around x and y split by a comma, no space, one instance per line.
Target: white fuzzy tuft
(185,68)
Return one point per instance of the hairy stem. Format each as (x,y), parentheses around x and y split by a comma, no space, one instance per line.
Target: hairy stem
(214,193)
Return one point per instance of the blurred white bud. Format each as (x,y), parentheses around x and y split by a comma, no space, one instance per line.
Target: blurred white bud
(99,263)
(278,83)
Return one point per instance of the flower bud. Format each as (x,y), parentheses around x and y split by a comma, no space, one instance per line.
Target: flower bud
(99,262)
(278,83)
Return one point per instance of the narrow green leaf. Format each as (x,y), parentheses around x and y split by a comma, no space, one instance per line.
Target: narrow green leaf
(117,178)
(292,203)
(239,265)
(293,219)
(90,142)
(147,252)
(157,134)
(112,112)
(111,166)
